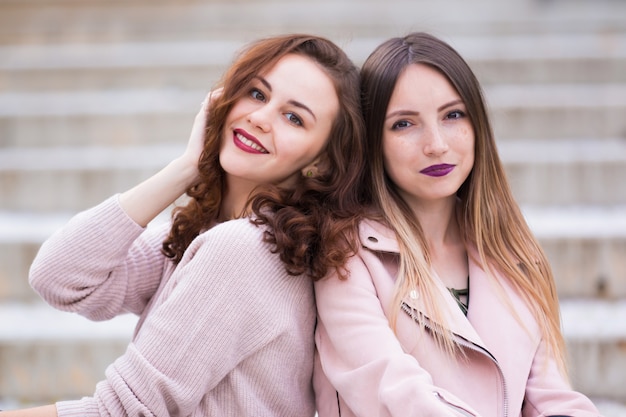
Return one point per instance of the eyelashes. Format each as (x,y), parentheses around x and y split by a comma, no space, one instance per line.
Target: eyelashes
(456,114)
(257,94)
(292,117)
(451,115)
(400,124)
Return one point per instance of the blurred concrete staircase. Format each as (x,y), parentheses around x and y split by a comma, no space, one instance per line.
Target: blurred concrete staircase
(96,95)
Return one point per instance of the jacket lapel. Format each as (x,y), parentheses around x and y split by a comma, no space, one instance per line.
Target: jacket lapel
(456,321)
(378,238)
(493,310)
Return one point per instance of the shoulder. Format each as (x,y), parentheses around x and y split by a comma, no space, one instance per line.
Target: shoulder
(371,261)
(236,227)
(376,236)
(236,245)
(232,258)
(237,232)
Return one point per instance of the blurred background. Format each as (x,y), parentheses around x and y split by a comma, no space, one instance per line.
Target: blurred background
(97,95)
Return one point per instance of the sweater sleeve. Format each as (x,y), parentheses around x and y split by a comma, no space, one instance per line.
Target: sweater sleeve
(219,307)
(363,359)
(100,264)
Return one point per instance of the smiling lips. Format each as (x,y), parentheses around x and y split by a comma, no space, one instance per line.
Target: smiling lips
(438,170)
(247,143)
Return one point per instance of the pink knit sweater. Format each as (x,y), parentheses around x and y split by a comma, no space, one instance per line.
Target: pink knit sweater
(225,333)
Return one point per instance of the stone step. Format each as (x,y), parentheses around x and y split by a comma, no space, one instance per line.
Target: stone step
(595,57)
(563,172)
(75,178)
(49,355)
(543,58)
(557,110)
(98,118)
(67,67)
(609,408)
(133,117)
(558,172)
(585,246)
(595,333)
(44,21)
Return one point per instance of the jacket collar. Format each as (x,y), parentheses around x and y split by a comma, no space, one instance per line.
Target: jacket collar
(379,238)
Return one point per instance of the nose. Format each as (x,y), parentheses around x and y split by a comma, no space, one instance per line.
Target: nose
(260,118)
(435,142)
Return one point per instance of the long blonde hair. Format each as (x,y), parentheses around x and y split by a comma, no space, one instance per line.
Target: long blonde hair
(489,216)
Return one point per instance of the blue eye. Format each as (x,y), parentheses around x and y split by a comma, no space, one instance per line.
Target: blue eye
(400,124)
(293,118)
(257,95)
(456,114)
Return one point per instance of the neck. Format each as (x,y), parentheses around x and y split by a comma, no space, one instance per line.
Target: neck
(235,199)
(445,244)
(439,223)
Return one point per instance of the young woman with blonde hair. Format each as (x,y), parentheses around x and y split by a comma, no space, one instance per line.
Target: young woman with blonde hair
(449,307)
(224,292)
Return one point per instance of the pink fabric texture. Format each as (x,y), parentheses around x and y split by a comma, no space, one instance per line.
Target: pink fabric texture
(365,369)
(225,333)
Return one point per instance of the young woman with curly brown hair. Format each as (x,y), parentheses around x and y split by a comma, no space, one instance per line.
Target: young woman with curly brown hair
(224,292)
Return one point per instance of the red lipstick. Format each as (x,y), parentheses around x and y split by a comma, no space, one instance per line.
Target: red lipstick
(247,142)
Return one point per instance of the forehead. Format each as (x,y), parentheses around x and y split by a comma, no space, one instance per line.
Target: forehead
(300,78)
(420,82)
(293,67)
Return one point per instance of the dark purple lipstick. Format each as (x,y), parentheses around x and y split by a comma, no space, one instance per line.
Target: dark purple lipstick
(438,170)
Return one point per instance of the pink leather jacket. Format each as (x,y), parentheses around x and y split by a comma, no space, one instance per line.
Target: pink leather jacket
(364,369)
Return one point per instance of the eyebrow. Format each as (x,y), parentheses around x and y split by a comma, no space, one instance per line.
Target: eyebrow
(414,113)
(292,102)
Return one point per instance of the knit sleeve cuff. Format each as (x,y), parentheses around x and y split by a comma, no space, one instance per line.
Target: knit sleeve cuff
(79,408)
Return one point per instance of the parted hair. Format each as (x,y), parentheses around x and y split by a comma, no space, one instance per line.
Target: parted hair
(310,225)
(489,217)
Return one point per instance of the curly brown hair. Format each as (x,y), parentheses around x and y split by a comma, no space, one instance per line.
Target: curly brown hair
(311,225)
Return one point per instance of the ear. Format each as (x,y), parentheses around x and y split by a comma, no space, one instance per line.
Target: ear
(311,170)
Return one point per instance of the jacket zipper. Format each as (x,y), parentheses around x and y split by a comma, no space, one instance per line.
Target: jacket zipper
(457,408)
(472,346)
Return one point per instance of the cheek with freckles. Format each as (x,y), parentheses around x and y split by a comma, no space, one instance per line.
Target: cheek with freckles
(466,136)
(465,131)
